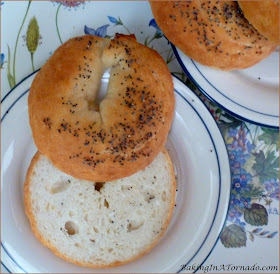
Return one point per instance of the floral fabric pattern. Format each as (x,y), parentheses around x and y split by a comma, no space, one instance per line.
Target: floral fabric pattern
(101,31)
(255,182)
(253,150)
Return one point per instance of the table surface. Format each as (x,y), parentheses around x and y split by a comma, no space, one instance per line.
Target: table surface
(253,150)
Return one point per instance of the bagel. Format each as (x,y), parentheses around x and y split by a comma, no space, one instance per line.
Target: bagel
(264,16)
(99,225)
(119,136)
(213,33)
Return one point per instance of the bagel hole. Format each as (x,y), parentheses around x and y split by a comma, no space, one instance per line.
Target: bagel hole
(103,88)
(92,105)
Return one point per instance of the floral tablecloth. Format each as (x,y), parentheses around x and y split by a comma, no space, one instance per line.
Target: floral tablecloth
(250,235)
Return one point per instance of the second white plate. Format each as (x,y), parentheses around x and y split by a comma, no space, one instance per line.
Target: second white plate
(251,94)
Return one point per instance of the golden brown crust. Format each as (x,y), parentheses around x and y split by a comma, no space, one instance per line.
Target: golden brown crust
(264,16)
(126,131)
(40,237)
(213,33)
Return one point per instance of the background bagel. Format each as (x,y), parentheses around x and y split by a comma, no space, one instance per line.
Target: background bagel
(213,33)
(264,16)
(126,131)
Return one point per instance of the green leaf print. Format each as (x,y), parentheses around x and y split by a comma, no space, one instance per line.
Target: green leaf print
(118,23)
(12,75)
(256,215)
(266,167)
(32,38)
(255,192)
(11,79)
(233,236)
(189,83)
(229,121)
(270,138)
(170,57)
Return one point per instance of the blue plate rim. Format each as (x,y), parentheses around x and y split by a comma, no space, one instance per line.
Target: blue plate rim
(211,98)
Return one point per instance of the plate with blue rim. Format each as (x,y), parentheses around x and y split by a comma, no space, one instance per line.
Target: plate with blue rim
(250,94)
(203,177)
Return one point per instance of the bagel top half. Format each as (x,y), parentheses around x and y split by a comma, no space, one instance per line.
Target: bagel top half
(213,33)
(119,136)
(264,16)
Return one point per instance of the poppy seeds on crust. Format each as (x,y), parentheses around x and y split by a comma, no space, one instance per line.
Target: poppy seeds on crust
(130,138)
(221,36)
(220,14)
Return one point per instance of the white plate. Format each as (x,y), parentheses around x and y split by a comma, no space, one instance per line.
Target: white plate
(251,94)
(203,182)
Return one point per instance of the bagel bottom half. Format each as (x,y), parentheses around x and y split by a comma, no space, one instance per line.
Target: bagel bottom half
(98,224)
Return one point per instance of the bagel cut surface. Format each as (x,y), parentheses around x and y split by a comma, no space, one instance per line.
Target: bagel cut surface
(119,136)
(100,224)
(213,33)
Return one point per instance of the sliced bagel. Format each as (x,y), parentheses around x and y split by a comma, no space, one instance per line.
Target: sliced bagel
(213,33)
(264,16)
(99,224)
(121,135)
